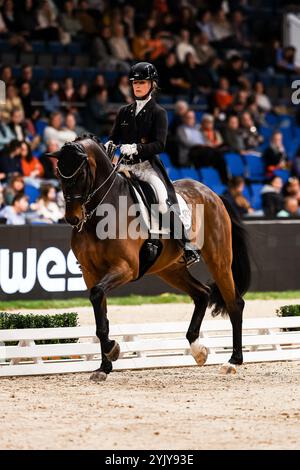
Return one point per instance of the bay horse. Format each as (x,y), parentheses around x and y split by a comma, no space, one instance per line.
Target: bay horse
(88,179)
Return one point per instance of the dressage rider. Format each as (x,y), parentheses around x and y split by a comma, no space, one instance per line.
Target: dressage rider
(141,128)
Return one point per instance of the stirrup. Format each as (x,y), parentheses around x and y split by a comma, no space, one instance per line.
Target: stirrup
(191,257)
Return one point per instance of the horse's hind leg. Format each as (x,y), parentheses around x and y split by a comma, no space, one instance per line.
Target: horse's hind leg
(178,276)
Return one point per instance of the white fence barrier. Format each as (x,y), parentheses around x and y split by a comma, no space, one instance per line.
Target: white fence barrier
(145,346)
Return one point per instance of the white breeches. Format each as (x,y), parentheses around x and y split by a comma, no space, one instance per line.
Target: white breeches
(145,172)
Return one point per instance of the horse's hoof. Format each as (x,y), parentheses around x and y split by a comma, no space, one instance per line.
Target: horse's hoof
(228,368)
(98,376)
(114,353)
(199,353)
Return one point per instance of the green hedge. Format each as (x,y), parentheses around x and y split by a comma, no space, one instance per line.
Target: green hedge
(289,311)
(11,321)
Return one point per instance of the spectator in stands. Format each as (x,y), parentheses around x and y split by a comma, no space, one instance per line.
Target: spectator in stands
(195,76)
(262,100)
(193,148)
(119,45)
(15,187)
(141,45)
(31,166)
(27,76)
(128,19)
(51,99)
(86,18)
(15,214)
(221,28)
(9,26)
(18,125)
(68,20)
(50,163)
(30,111)
(47,25)
(184,47)
(56,131)
(251,137)
(232,135)
(98,117)
(46,207)
(233,70)
(180,109)
(240,29)
(211,137)
(68,93)
(290,209)
(6,135)
(71,124)
(234,194)
(292,188)
(285,60)
(173,80)
(272,199)
(122,92)
(10,162)
(223,98)
(101,52)
(204,23)
(275,156)
(7,75)
(205,52)
(13,101)
(26,17)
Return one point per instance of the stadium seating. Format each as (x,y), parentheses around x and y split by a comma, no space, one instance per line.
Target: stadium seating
(235,164)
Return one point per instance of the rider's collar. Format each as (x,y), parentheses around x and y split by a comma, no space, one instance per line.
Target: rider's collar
(141,103)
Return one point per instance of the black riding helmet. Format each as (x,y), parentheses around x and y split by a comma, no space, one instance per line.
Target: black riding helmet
(143,71)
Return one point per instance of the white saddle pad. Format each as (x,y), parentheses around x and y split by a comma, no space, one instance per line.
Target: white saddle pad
(185,213)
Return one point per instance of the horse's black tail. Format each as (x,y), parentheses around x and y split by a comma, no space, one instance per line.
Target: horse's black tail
(241,268)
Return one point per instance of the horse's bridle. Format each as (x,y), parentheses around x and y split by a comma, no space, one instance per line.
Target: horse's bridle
(89,194)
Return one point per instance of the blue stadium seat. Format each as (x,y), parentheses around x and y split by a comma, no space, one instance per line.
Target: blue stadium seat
(75,73)
(32,193)
(174,173)
(187,172)
(235,164)
(165,99)
(284,174)
(38,47)
(57,73)
(255,167)
(56,47)
(218,188)
(111,76)
(272,119)
(170,117)
(89,73)
(39,73)
(74,48)
(256,201)
(166,160)
(210,177)
(40,126)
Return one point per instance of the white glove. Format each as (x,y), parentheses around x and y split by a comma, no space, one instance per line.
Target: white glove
(128,149)
(107,145)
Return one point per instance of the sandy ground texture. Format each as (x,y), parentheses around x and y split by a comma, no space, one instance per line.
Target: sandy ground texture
(182,408)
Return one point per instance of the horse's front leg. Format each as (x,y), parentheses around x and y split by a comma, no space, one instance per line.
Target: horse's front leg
(110,349)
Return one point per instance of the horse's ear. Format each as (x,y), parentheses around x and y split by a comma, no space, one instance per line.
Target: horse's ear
(53,154)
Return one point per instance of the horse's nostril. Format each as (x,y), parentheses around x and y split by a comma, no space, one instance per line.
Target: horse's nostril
(72,220)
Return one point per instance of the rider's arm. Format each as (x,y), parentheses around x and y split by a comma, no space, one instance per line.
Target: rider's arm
(158,143)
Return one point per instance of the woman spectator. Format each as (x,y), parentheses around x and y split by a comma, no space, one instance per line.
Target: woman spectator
(13,101)
(211,137)
(68,93)
(272,199)
(14,188)
(223,98)
(235,196)
(141,48)
(51,97)
(122,93)
(205,52)
(262,100)
(119,45)
(31,166)
(292,188)
(275,156)
(184,47)
(56,131)
(15,214)
(221,28)
(68,20)
(46,207)
(47,25)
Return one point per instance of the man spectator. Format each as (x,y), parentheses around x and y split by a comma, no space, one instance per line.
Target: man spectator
(251,137)
(272,199)
(193,148)
(10,160)
(15,214)
(71,124)
(51,98)
(232,134)
(98,117)
(172,76)
(57,132)
(17,125)
(50,163)
(290,209)
(101,52)
(205,52)
(68,20)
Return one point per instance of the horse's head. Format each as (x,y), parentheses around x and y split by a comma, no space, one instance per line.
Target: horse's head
(77,169)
